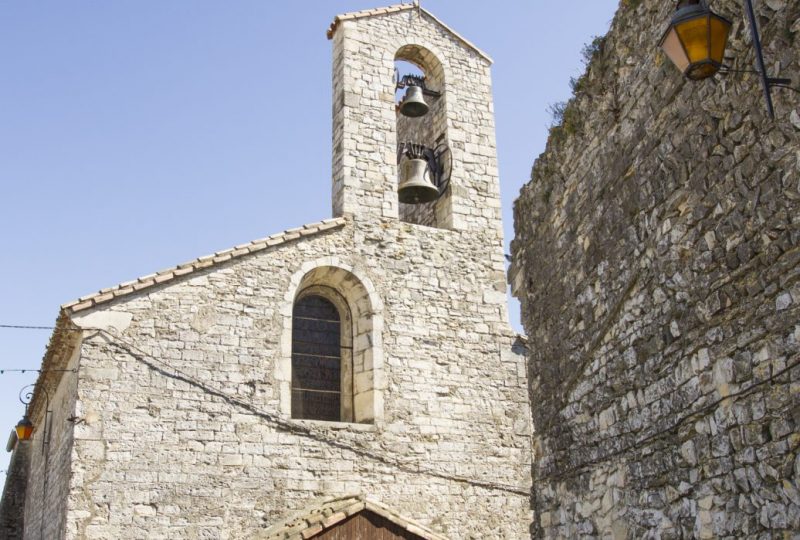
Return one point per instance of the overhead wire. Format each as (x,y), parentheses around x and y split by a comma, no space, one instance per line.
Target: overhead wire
(413,467)
(159,366)
(32,370)
(26,327)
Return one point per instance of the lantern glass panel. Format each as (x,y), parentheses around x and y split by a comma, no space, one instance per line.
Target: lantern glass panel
(674,50)
(719,37)
(24,431)
(694,35)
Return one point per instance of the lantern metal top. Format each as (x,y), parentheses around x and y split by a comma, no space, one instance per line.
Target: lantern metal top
(690,9)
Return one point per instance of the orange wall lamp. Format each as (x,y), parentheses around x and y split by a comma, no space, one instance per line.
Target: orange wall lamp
(696,39)
(25,427)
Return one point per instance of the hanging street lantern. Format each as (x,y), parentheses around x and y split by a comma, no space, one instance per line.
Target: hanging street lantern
(24,428)
(696,39)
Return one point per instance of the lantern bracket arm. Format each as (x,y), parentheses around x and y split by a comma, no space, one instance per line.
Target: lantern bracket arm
(25,397)
(772,81)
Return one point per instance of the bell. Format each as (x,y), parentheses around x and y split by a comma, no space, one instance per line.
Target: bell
(413,105)
(416,187)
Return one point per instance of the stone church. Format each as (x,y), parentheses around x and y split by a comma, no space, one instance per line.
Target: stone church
(354,376)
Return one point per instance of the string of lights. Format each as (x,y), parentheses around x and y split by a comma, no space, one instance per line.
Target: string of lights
(26,370)
(3,371)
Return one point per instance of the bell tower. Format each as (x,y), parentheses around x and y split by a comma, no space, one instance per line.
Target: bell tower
(353,374)
(385,120)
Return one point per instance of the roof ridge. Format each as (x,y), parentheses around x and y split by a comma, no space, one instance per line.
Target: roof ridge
(329,511)
(207,261)
(395,8)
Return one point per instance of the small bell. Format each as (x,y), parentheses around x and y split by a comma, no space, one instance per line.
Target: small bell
(416,187)
(413,104)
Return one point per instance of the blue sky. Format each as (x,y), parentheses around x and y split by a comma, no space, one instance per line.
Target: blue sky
(138,135)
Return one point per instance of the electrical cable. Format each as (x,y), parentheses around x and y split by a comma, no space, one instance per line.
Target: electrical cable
(411,467)
(787,87)
(25,327)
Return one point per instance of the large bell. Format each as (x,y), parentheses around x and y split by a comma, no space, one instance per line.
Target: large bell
(416,187)
(413,104)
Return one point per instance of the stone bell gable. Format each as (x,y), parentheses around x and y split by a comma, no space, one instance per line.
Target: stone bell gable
(366,129)
(367,353)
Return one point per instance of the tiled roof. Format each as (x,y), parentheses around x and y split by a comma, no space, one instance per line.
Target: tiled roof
(129,287)
(333,510)
(397,8)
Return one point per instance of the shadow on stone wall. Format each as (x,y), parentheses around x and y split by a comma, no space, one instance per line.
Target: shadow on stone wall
(12,505)
(656,260)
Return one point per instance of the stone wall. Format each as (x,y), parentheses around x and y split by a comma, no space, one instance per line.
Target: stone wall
(12,505)
(656,260)
(51,447)
(189,436)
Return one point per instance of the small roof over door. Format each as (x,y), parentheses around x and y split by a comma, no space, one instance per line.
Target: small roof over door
(348,518)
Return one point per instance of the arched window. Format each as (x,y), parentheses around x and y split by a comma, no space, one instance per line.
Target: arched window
(321,357)
(321,295)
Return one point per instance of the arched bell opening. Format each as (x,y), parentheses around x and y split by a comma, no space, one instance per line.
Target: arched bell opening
(423,156)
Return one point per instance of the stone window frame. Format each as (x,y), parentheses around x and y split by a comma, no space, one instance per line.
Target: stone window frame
(366,311)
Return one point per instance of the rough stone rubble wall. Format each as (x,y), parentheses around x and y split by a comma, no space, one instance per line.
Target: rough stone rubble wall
(51,449)
(185,442)
(12,505)
(656,259)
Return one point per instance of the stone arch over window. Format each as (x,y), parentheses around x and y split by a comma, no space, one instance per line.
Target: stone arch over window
(359,309)
(429,130)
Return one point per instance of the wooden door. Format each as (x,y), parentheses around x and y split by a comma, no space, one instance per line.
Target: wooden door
(366,526)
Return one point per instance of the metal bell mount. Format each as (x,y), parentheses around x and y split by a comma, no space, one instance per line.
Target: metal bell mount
(422,173)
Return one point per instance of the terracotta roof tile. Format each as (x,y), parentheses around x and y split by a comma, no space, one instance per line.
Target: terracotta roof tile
(326,513)
(397,8)
(207,261)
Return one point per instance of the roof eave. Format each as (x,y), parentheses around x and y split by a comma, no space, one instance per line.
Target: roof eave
(396,9)
(104,296)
